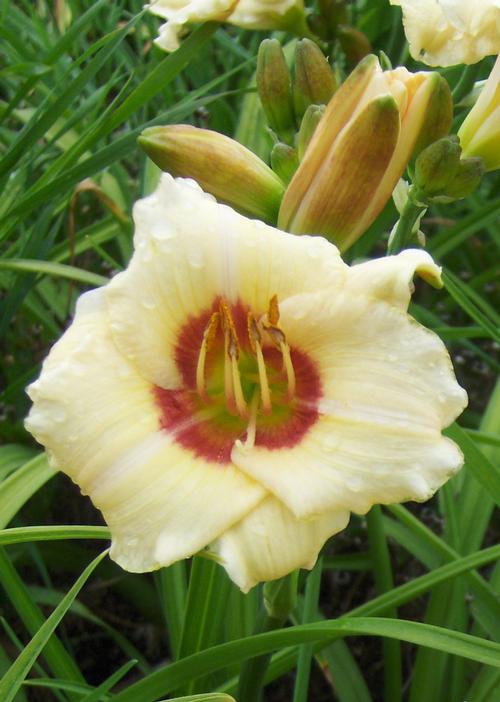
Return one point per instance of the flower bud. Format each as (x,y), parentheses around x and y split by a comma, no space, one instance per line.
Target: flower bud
(222,167)
(308,126)
(314,82)
(275,90)
(436,165)
(360,149)
(480,132)
(284,161)
(354,43)
(466,178)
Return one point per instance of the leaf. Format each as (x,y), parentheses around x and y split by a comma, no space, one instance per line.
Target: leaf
(21,485)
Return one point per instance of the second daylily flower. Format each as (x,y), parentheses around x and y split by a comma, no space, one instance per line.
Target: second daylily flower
(242,388)
(249,14)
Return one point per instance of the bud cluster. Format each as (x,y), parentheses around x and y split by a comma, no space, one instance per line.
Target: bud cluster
(293,105)
(441,175)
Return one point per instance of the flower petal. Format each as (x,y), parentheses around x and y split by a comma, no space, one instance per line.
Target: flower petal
(98,419)
(180,12)
(90,405)
(191,250)
(270,542)
(448,32)
(388,390)
(390,278)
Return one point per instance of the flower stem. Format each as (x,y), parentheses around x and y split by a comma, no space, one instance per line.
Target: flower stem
(280,597)
(383,579)
(404,228)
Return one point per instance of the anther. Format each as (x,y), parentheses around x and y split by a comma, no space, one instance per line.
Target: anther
(256,346)
(279,339)
(208,339)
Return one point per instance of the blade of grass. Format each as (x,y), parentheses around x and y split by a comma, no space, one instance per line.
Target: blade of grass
(13,679)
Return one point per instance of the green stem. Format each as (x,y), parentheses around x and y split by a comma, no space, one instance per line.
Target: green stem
(466,82)
(280,598)
(306,651)
(393,681)
(253,671)
(404,228)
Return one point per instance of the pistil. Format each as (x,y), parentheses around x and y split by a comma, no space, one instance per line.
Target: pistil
(255,338)
(232,379)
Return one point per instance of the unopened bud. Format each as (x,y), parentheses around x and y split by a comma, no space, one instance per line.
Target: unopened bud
(275,89)
(310,121)
(333,12)
(314,82)
(222,167)
(358,152)
(284,161)
(466,178)
(438,116)
(354,43)
(436,165)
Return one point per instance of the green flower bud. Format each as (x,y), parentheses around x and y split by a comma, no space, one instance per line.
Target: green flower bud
(354,43)
(222,166)
(314,82)
(308,126)
(466,178)
(284,161)
(438,116)
(436,165)
(275,89)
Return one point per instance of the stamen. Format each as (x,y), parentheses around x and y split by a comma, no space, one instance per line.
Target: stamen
(252,423)
(279,339)
(232,380)
(208,339)
(255,343)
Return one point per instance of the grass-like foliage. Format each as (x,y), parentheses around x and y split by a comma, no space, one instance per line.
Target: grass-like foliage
(403,605)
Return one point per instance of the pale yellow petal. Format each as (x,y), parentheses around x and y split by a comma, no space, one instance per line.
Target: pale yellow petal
(448,32)
(190,250)
(162,504)
(270,542)
(388,390)
(90,405)
(390,278)
(181,12)
(98,419)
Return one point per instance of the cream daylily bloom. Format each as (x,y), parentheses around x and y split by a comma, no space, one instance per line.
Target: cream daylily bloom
(249,14)
(447,32)
(480,132)
(241,388)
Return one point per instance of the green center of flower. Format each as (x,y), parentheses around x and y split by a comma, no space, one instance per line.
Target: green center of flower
(239,375)
(240,381)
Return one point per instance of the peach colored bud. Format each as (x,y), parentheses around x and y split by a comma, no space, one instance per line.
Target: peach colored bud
(370,129)
(222,166)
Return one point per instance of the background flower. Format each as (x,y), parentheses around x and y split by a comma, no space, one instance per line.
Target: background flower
(447,32)
(358,392)
(249,14)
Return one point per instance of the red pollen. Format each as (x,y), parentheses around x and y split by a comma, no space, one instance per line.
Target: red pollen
(182,410)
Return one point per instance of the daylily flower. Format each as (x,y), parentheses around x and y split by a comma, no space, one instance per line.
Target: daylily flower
(249,14)
(447,32)
(480,132)
(242,388)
